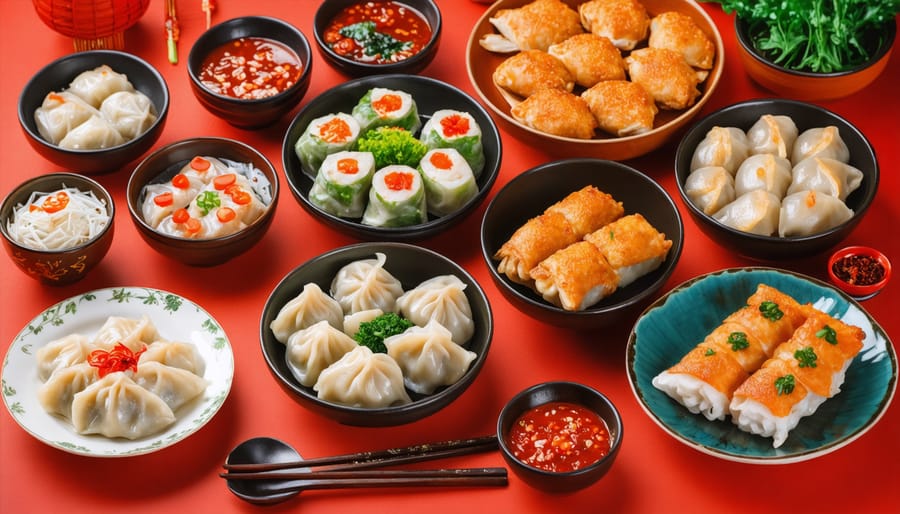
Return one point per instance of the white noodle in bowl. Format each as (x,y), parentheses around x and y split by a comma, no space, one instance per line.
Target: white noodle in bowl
(80,220)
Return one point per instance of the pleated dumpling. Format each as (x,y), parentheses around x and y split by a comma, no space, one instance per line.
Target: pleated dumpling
(821,142)
(755,212)
(311,350)
(428,357)
(362,378)
(176,354)
(829,176)
(59,114)
(56,394)
(131,113)
(809,212)
(710,188)
(132,332)
(175,386)
(443,299)
(93,86)
(365,285)
(763,171)
(61,353)
(306,309)
(773,134)
(722,146)
(115,406)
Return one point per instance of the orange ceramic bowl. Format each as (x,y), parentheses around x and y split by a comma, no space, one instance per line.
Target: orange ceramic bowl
(481,64)
(807,86)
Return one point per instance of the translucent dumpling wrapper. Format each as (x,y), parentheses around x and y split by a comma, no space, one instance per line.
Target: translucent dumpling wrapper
(365,285)
(60,113)
(722,146)
(442,299)
(135,333)
(115,406)
(448,180)
(96,133)
(175,354)
(821,142)
(94,86)
(381,107)
(428,357)
(131,113)
(56,394)
(448,128)
(342,184)
(175,386)
(710,188)
(829,176)
(313,349)
(755,212)
(362,378)
(163,198)
(763,171)
(396,198)
(773,134)
(805,213)
(61,353)
(323,136)
(353,321)
(309,307)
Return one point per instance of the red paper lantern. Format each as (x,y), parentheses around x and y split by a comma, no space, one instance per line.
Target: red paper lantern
(92,24)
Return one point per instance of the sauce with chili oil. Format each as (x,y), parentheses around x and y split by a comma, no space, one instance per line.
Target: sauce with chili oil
(859,270)
(251,68)
(377,32)
(559,437)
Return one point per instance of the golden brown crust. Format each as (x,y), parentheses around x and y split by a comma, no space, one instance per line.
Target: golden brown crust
(536,26)
(679,32)
(629,240)
(575,277)
(533,242)
(760,387)
(665,75)
(588,209)
(624,22)
(556,112)
(719,370)
(622,108)
(590,58)
(530,71)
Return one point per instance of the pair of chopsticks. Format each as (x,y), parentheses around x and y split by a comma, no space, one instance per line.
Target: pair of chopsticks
(356,466)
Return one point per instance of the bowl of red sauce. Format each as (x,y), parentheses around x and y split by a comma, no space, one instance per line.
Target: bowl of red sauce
(860,271)
(250,71)
(369,37)
(559,437)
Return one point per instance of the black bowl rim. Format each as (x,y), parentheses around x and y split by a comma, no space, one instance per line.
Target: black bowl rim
(200,243)
(162,111)
(304,54)
(419,231)
(773,240)
(741,27)
(81,181)
(534,301)
(616,431)
(426,54)
(410,411)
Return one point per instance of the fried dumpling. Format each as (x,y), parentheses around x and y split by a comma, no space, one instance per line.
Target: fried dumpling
(576,277)
(530,71)
(624,22)
(590,58)
(632,247)
(666,76)
(556,112)
(622,108)
(678,31)
(534,26)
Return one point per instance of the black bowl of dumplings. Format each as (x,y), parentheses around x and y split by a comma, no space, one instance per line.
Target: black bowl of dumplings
(310,320)
(775,179)
(94,112)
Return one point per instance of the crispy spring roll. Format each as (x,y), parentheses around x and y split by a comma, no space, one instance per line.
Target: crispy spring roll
(632,246)
(575,277)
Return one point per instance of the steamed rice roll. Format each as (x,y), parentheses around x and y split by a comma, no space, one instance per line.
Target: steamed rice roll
(448,179)
(323,136)
(342,184)
(387,107)
(396,198)
(448,128)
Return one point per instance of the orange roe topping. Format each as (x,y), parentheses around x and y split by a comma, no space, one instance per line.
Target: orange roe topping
(335,130)
(398,181)
(455,125)
(441,161)
(348,166)
(387,104)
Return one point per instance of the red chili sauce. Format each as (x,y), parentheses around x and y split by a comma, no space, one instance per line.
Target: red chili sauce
(251,68)
(399,32)
(859,270)
(559,437)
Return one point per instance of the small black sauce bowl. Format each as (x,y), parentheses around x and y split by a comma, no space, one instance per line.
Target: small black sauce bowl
(569,392)
(258,113)
(414,64)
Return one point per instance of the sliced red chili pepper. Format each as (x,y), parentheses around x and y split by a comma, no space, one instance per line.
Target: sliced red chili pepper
(120,358)
(223,181)
(181,216)
(181,181)
(55,203)
(164,199)
(225,214)
(192,226)
(241,197)
(200,164)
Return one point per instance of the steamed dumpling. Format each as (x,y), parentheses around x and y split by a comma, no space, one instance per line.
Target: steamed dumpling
(428,357)
(362,378)
(809,212)
(774,134)
(56,394)
(94,134)
(131,113)
(175,354)
(365,285)
(311,350)
(710,188)
(60,113)
(443,299)
(115,406)
(755,212)
(763,171)
(820,142)
(175,386)
(306,309)
(829,176)
(61,353)
(352,321)
(132,332)
(722,146)
(94,86)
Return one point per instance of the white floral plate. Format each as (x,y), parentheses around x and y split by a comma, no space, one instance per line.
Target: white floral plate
(176,319)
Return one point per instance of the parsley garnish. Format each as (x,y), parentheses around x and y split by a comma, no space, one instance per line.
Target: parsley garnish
(784,384)
(207,201)
(770,311)
(709,352)
(738,341)
(806,357)
(374,42)
(828,334)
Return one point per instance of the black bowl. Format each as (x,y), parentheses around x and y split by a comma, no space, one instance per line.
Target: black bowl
(163,164)
(57,267)
(411,265)
(568,392)
(430,95)
(57,75)
(412,65)
(805,115)
(528,194)
(257,113)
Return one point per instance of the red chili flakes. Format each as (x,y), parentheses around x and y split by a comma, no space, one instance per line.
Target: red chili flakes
(859,270)
(120,358)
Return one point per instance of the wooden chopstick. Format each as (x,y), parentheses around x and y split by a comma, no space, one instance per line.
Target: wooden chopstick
(368,474)
(388,457)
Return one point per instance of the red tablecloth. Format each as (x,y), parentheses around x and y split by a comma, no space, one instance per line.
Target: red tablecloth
(653,473)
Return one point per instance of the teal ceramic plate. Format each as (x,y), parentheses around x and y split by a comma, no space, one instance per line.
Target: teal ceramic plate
(679,320)
(176,319)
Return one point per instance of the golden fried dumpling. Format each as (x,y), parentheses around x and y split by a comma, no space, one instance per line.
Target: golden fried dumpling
(622,108)
(665,74)
(624,22)
(530,71)
(533,26)
(576,277)
(556,112)
(678,31)
(590,58)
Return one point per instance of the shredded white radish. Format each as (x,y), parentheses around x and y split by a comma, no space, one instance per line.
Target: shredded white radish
(81,220)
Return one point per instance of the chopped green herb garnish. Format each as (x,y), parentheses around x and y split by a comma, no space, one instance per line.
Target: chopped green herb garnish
(207,201)
(709,352)
(374,42)
(770,311)
(828,334)
(785,384)
(806,357)
(738,341)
